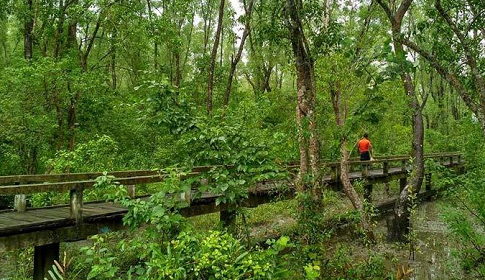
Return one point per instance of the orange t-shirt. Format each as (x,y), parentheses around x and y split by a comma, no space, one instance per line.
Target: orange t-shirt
(364,145)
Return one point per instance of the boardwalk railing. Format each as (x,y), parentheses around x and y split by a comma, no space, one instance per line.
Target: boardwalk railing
(76,183)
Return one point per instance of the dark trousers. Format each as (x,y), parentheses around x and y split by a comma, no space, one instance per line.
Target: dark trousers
(365,156)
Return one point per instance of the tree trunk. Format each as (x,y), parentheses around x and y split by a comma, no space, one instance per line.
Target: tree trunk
(72,46)
(83,56)
(178,70)
(306,101)
(399,227)
(60,118)
(210,82)
(235,60)
(113,59)
(28,26)
(401,222)
(189,42)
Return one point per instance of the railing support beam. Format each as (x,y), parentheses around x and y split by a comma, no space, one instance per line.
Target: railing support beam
(368,193)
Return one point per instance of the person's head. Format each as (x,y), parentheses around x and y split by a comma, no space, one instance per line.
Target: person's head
(366,135)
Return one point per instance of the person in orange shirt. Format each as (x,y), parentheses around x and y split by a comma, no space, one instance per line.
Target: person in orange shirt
(365,148)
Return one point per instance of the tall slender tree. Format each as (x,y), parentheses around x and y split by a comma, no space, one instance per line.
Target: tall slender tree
(306,102)
(248,8)
(212,63)
(400,225)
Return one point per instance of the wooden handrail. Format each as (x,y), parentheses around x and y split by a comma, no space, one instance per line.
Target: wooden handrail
(77,186)
(66,182)
(86,184)
(66,177)
(354,161)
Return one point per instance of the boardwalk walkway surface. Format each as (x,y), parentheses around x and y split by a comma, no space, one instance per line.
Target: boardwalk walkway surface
(45,227)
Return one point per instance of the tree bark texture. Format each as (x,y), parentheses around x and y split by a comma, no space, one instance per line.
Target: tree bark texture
(306,101)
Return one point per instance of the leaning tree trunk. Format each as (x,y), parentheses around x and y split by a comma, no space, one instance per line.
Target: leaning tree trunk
(336,97)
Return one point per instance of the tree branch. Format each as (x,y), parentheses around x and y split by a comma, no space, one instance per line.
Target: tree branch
(452,78)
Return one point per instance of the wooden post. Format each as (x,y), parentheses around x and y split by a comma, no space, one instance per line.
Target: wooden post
(403,166)
(402,183)
(44,257)
(365,169)
(76,202)
(451,160)
(368,193)
(334,173)
(428,181)
(428,184)
(387,188)
(131,190)
(187,196)
(385,168)
(228,220)
(20,203)
(459,159)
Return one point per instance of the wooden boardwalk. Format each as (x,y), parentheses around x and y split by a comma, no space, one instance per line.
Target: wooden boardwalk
(13,222)
(42,227)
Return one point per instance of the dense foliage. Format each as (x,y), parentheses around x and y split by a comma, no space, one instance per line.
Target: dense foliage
(100,85)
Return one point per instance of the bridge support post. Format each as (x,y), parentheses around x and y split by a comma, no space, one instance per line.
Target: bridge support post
(335,175)
(368,193)
(228,219)
(428,181)
(385,168)
(385,172)
(187,196)
(44,257)
(428,184)
(402,183)
(365,170)
(387,188)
